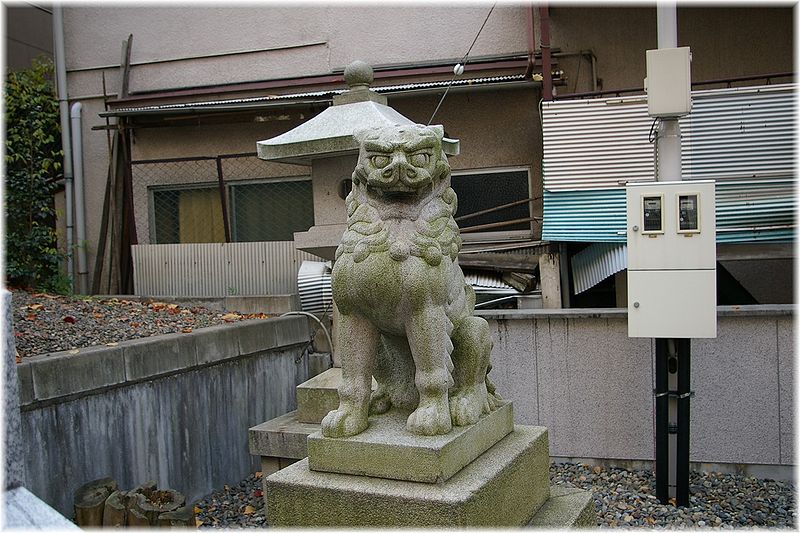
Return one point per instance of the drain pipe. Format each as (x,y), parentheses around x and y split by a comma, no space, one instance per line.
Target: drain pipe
(78,184)
(547,75)
(63,111)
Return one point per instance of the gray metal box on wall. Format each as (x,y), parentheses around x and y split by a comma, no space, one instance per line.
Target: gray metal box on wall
(672,281)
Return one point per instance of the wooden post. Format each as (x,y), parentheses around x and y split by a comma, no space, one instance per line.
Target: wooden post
(550,272)
(116,512)
(90,500)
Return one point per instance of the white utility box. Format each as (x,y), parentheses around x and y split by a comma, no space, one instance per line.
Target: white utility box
(672,260)
(669,82)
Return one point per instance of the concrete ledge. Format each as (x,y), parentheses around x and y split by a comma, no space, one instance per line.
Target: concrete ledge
(567,508)
(622,313)
(153,356)
(386,450)
(62,374)
(283,437)
(504,487)
(273,304)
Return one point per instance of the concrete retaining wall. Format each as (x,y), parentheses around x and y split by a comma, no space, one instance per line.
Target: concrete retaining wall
(174,408)
(577,372)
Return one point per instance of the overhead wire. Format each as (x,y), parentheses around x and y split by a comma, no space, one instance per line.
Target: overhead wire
(462,63)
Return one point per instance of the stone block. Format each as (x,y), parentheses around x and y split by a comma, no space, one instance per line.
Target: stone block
(504,487)
(257,336)
(292,330)
(63,373)
(25,382)
(273,304)
(152,356)
(387,450)
(216,343)
(567,508)
(320,395)
(283,436)
(23,510)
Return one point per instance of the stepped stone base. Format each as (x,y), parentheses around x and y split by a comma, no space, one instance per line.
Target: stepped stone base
(387,450)
(504,487)
(567,507)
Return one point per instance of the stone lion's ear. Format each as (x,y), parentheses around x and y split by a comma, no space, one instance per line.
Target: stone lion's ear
(438,130)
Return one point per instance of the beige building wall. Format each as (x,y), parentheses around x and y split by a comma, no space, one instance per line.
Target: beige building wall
(180,47)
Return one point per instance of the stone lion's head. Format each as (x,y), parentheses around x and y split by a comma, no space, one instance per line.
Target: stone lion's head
(401,163)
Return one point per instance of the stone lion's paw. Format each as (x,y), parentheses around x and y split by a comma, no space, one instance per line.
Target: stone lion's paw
(430,418)
(466,406)
(379,403)
(343,423)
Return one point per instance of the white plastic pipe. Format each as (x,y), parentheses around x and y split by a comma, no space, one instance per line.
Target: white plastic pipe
(79,193)
(63,111)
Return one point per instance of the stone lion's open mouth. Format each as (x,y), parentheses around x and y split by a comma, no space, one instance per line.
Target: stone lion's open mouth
(397,193)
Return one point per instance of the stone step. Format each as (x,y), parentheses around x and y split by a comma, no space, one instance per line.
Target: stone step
(504,487)
(387,450)
(319,395)
(568,507)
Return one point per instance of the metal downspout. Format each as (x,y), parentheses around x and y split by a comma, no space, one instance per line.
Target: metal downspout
(531,43)
(63,111)
(547,84)
(78,184)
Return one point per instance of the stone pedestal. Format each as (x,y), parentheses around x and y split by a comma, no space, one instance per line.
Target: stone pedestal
(504,487)
(486,475)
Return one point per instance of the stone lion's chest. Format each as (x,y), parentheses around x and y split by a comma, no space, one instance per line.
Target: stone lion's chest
(383,288)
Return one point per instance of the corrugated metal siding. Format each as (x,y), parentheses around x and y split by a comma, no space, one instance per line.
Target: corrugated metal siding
(597,262)
(216,270)
(747,211)
(743,138)
(585,216)
(314,286)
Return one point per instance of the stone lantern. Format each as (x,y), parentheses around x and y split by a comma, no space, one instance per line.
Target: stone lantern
(326,144)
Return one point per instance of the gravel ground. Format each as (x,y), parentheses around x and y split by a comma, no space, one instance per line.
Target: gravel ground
(622,499)
(47,323)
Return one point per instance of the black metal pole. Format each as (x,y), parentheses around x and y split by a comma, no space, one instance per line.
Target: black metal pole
(223,200)
(662,422)
(684,349)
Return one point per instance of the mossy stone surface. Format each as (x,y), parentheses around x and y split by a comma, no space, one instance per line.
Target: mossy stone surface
(387,450)
(320,395)
(504,487)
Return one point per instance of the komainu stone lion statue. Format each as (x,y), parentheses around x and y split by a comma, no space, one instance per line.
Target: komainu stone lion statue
(405,310)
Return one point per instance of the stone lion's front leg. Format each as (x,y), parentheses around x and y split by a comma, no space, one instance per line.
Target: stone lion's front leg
(357,342)
(429,341)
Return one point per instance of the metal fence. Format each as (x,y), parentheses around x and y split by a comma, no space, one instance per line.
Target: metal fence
(224,198)
(217,269)
(218,226)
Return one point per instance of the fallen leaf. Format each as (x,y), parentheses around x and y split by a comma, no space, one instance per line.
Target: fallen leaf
(112,343)
(98,315)
(157,306)
(197,521)
(186,330)
(69,319)
(197,510)
(43,295)
(18,334)
(31,316)
(18,356)
(173,310)
(135,324)
(35,307)
(74,351)
(257,493)
(231,317)
(258,474)
(249,509)
(172,306)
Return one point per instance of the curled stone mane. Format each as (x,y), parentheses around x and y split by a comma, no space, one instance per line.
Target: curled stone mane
(435,232)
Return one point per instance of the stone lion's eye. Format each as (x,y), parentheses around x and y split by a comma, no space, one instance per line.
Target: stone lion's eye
(379,161)
(420,159)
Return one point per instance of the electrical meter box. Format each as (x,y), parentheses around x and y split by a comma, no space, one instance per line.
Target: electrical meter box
(669,82)
(672,260)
